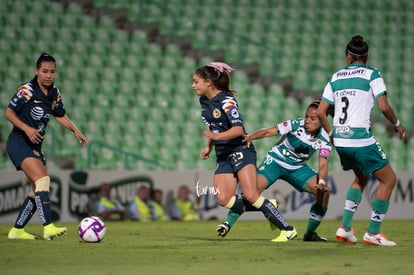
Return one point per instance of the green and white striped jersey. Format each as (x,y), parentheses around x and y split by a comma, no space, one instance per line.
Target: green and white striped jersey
(297,145)
(353,91)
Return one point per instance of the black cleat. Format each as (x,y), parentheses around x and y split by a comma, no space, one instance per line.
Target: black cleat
(313,237)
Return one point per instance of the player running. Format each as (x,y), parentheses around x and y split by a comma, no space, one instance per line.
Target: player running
(286,160)
(236,162)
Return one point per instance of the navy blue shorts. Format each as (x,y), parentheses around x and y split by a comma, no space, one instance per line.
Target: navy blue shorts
(239,158)
(19,148)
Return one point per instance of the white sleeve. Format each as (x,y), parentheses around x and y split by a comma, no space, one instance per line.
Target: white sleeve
(284,127)
(378,86)
(328,95)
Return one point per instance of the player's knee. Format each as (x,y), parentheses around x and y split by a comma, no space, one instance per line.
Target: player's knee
(42,184)
(226,201)
(392,179)
(251,197)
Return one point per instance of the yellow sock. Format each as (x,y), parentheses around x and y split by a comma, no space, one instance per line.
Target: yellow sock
(259,202)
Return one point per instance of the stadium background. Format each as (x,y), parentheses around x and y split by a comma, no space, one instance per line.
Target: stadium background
(125,70)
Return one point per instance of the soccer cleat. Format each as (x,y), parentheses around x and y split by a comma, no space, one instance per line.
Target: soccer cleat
(313,237)
(276,204)
(377,239)
(346,235)
(50,231)
(286,235)
(20,234)
(223,229)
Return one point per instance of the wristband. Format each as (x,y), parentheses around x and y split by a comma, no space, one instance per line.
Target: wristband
(322,181)
(397,124)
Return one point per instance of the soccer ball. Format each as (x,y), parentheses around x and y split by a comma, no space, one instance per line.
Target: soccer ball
(92,229)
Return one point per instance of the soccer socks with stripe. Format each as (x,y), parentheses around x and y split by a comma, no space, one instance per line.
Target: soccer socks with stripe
(42,200)
(43,206)
(317,212)
(239,207)
(379,209)
(272,214)
(26,212)
(353,198)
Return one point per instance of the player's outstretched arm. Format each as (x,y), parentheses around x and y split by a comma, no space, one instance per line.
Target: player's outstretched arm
(68,124)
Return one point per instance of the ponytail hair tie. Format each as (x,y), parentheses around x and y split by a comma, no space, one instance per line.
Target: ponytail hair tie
(221,67)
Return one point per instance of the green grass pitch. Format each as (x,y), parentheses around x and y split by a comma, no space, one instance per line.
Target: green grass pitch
(194,248)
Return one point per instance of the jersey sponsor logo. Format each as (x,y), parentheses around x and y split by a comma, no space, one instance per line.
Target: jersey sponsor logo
(235,113)
(302,150)
(37,113)
(350,73)
(216,113)
(236,121)
(344,131)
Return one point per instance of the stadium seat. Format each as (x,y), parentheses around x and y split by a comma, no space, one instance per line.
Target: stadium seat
(148,77)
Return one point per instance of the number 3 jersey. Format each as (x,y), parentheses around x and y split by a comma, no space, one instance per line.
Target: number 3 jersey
(34,108)
(297,145)
(353,91)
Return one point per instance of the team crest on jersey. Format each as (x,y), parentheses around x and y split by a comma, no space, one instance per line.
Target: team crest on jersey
(317,144)
(216,113)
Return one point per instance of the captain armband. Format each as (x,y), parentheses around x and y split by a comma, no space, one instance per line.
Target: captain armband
(324,153)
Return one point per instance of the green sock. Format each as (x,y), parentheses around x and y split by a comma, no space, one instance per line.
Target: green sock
(353,198)
(317,212)
(379,209)
(232,217)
